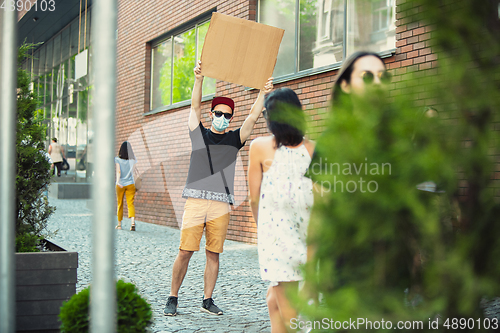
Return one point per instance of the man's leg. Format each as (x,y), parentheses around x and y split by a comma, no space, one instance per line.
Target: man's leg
(179,271)
(216,229)
(211,273)
(217,223)
(210,277)
(191,233)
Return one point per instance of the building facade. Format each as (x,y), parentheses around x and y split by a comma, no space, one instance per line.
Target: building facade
(158,45)
(60,66)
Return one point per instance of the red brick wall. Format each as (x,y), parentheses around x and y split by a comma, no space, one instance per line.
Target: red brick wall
(414,52)
(161,141)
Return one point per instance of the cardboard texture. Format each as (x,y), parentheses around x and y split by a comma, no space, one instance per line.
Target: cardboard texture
(240,51)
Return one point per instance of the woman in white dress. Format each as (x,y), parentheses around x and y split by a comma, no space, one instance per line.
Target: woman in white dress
(281,199)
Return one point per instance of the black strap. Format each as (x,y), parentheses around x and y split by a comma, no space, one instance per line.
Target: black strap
(223,177)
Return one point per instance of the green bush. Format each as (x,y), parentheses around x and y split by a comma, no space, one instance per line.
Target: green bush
(32,166)
(134,313)
(441,247)
(27,242)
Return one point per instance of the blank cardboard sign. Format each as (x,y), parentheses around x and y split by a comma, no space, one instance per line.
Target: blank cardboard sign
(240,51)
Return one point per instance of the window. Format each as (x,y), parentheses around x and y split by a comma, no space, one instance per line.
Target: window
(372,25)
(172,63)
(320,33)
(62,99)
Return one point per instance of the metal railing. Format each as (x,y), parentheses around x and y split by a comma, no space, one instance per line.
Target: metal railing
(8,85)
(103,291)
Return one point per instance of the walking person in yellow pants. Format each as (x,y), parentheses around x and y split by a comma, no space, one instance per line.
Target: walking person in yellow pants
(125,164)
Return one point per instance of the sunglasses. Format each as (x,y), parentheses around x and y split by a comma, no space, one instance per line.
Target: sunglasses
(220,113)
(368,77)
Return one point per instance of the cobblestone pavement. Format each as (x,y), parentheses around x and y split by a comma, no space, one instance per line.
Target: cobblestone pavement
(145,258)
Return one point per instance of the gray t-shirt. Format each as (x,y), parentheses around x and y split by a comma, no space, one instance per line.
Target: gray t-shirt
(126,171)
(205,177)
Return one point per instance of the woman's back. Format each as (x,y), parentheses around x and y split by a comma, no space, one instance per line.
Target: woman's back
(286,172)
(126,170)
(286,199)
(55,153)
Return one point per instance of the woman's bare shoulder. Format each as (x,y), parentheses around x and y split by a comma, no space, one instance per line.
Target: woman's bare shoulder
(310,145)
(262,141)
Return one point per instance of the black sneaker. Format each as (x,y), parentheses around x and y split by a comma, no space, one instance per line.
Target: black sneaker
(171,307)
(209,306)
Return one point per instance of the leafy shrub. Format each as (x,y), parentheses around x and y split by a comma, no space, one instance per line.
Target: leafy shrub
(27,242)
(441,247)
(32,166)
(74,313)
(134,313)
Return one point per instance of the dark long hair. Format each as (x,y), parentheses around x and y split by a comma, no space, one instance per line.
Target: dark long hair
(344,74)
(126,152)
(285,117)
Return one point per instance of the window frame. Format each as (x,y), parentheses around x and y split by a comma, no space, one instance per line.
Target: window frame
(191,24)
(318,70)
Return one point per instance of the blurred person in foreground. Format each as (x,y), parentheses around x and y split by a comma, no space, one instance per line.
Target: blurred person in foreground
(361,71)
(281,199)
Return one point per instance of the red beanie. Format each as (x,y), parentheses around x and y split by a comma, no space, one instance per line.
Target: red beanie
(223,100)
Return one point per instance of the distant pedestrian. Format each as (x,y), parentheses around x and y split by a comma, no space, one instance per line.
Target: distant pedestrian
(125,165)
(281,198)
(56,152)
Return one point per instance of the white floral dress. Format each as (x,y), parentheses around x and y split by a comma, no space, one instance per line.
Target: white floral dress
(285,204)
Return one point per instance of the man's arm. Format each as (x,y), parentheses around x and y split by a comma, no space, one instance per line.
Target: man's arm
(195,113)
(249,123)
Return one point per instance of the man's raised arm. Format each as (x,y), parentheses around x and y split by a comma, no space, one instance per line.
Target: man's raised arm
(195,113)
(257,107)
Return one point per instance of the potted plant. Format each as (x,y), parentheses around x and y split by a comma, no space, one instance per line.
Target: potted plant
(45,273)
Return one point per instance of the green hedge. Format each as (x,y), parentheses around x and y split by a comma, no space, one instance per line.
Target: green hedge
(134,313)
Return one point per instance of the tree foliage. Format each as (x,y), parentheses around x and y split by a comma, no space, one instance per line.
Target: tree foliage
(374,243)
(32,166)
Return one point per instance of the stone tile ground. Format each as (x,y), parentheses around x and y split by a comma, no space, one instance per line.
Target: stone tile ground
(145,258)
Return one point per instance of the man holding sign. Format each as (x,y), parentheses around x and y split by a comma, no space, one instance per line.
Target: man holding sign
(210,187)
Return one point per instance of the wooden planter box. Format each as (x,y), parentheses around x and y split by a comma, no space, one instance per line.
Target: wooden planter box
(43,281)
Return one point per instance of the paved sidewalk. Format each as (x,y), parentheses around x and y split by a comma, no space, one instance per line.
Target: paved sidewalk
(145,258)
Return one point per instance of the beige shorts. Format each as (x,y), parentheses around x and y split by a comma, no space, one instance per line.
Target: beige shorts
(199,213)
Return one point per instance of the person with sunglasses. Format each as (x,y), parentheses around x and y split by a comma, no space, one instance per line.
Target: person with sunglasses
(358,71)
(209,187)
